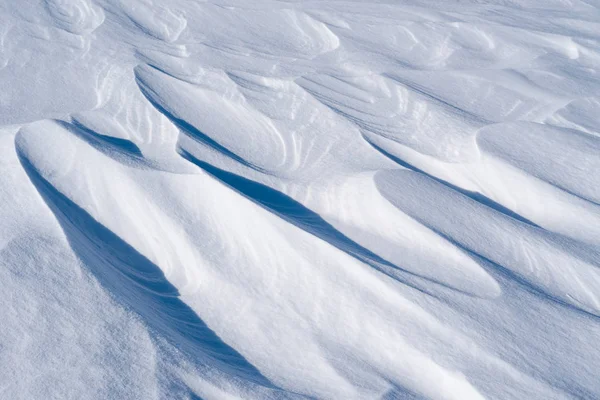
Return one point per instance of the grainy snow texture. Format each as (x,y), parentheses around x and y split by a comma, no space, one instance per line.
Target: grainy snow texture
(266,199)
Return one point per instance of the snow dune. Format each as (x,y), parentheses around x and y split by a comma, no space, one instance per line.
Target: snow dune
(285,200)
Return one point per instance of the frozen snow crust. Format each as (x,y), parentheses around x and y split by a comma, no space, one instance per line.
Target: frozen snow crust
(297,199)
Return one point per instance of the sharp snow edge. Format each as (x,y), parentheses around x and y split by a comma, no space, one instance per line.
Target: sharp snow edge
(299,200)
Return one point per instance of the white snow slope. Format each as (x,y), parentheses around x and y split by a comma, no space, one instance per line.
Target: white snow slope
(262,199)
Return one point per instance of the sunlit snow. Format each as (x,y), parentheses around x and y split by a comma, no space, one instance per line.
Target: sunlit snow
(262,199)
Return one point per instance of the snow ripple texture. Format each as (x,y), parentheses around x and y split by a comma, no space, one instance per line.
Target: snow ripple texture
(295,199)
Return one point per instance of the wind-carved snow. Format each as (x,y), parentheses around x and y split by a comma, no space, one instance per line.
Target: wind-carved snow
(75,16)
(272,199)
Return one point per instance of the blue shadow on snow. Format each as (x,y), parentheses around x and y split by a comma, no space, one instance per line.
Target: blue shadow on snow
(297,214)
(141,286)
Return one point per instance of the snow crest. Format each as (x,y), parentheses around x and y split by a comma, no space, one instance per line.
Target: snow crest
(285,200)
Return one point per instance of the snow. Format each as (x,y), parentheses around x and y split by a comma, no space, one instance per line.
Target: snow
(297,199)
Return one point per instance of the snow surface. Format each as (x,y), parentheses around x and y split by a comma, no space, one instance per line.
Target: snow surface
(299,199)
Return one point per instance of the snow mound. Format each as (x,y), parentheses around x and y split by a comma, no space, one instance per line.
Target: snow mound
(287,200)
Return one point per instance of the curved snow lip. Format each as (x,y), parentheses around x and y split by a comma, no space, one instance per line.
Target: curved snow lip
(137,283)
(116,148)
(476,196)
(473,277)
(304,218)
(514,249)
(182,124)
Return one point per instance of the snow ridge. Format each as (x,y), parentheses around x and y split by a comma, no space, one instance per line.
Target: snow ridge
(281,200)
